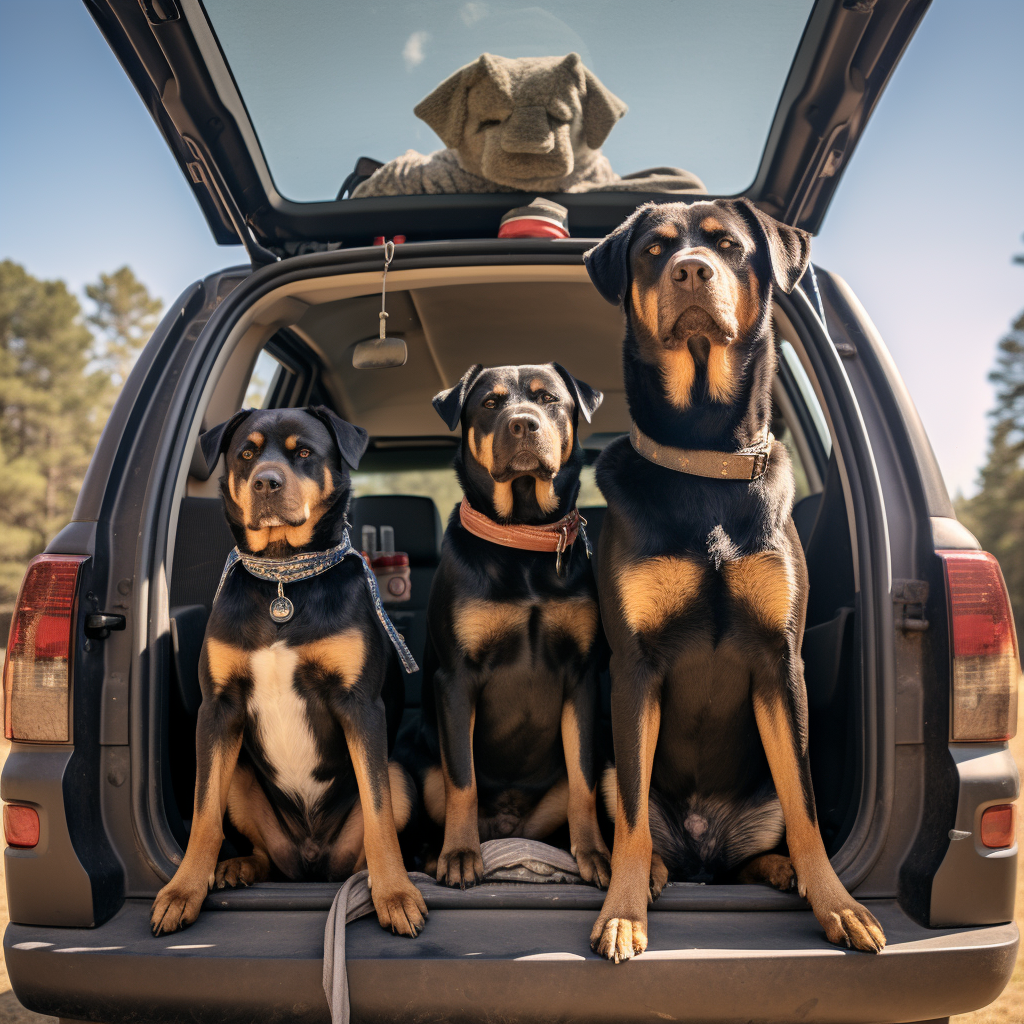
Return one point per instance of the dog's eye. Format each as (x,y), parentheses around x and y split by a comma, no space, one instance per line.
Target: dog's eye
(303,453)
(489,403)
(491,123)
(247,454)
(654,250)
(547,397)
(725,243)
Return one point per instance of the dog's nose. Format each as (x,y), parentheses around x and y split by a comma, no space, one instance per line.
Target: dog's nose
(522,424)
(268,480)
(693,272)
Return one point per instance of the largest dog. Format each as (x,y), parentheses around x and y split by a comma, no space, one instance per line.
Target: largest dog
(300,705)
(702,578)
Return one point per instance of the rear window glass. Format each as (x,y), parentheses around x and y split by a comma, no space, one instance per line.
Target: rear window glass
(325,82)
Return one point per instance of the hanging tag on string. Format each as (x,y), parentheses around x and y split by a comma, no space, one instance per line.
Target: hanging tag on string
(382,351)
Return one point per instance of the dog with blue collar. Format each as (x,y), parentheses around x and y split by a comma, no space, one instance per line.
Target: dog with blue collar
(302,680)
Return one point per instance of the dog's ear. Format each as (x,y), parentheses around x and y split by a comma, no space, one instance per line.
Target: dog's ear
(588,399)
(215,441)
(449,403)
(447,107)
(350,439)
(601,107)
(608,262)
(789,249)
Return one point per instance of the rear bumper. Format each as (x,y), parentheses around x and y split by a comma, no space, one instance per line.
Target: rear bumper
(478,964)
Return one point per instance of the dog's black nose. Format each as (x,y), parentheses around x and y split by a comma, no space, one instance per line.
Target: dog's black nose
(693,271)
(522,424)
(268,479)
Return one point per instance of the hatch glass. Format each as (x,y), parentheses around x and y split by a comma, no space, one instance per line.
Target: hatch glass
(327,82)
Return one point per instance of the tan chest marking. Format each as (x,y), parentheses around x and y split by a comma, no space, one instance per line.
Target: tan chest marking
(657,589)
(343,654)
(576,619)
(225,663)
(764,583)
(478,624)
(722,378)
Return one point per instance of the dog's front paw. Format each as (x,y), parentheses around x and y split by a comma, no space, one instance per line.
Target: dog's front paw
(400,908)
(176,906)
(850,924)
(595,864)
(460,868)
(240,871)
(619,938)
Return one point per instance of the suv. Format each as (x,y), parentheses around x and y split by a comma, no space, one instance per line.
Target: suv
(910,653)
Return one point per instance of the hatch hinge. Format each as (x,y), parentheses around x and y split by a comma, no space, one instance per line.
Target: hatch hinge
(201,171)
(909,598)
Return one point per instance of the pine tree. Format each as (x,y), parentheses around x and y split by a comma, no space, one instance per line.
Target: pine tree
(57,384)
(996,513)
(126,315)
(50,414)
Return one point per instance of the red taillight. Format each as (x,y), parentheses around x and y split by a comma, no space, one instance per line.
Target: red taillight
(37,679)
(21,825)
(986,666)
(998,826)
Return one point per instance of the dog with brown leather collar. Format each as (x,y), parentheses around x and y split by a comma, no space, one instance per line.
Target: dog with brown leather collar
(507,744)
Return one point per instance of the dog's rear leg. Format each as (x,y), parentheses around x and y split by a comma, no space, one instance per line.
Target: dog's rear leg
(780,706)
(587,844)
(218,741)
(348,853)
(659,869)
(771,868)
(250,812)
(399,904)
(621,928)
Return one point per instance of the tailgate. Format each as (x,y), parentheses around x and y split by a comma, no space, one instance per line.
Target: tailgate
(475,962)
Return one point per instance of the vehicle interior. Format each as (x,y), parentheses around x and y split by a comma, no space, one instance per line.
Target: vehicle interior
(294,348)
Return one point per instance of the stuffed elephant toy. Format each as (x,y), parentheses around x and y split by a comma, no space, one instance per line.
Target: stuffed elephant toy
(530,124)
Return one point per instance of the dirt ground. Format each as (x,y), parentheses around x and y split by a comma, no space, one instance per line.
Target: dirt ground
(1007,1009)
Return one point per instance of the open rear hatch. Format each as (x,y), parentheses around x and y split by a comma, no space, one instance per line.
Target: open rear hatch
(267,107)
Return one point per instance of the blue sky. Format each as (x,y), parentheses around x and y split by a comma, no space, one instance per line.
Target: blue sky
(924,225)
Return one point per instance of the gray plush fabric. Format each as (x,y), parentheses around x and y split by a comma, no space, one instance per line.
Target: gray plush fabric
(530,124)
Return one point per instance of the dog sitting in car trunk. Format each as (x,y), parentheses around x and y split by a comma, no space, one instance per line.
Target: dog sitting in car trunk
(507,744)
(301,675)
(703,584)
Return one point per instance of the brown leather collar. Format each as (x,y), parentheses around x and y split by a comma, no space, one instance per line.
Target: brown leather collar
(750,464)
(556,537)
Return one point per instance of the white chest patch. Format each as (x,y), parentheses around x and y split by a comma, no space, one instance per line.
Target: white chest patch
(279,714)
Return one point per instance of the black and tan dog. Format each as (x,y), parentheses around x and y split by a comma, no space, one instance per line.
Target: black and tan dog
(298,715)
(512,659)
(703,583)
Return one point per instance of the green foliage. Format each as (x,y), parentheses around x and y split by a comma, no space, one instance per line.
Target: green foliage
(126,315)
(57,385)
(995,515)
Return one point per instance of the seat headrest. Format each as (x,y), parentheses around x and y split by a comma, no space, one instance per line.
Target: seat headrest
(417,524)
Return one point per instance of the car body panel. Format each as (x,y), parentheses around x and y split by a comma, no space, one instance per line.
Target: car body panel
(267,965)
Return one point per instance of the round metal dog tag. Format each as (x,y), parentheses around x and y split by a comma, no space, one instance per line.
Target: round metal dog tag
(281,609)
